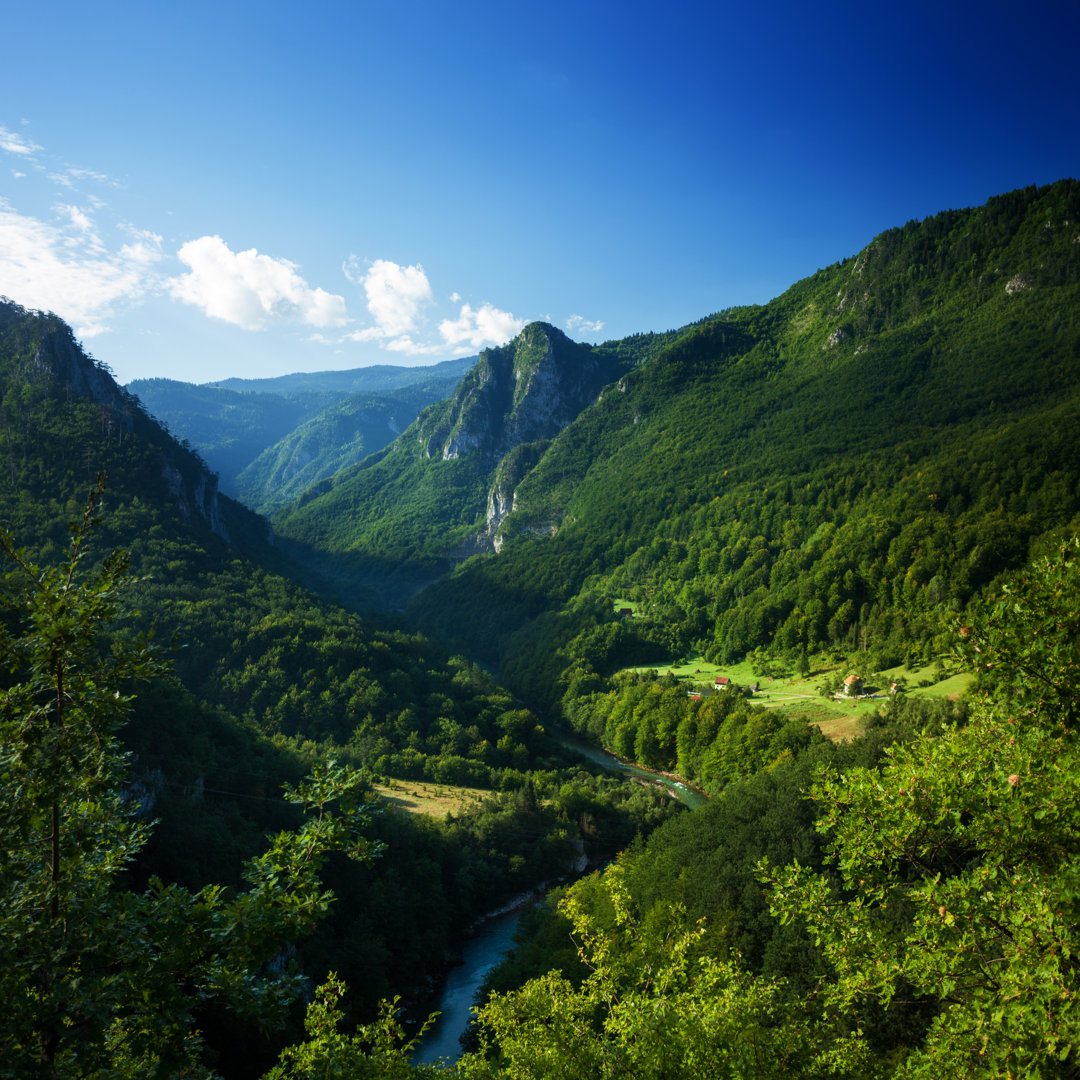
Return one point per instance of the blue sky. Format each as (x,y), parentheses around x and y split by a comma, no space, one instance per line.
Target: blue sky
(238,189)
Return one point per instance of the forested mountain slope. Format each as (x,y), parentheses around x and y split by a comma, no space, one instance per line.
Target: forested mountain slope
(341,435)
(442,491)
(237,420)
(269,680)
(846,466)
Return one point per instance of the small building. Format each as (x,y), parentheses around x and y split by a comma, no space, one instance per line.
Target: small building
(853,685)
(721,682)
(625,612)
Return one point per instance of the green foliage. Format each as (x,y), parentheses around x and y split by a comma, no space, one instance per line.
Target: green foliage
(710,741)
(754,486)
(270,438)
(957,860)
(651,1007)
(230,429)
(97,980)
(379,1050)
(339,436)
(401,518)
(1027,648)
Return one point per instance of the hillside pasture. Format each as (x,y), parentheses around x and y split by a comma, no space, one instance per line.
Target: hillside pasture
(839,717)
(431,800)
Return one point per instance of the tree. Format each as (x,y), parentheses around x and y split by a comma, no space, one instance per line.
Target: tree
(652,1007)
(957,859)
(376,1051)
(97,980)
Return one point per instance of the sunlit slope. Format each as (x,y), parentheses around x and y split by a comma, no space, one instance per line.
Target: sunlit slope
(442,490)
(872,446)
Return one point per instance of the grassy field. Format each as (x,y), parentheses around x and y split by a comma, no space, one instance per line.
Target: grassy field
(798,696)
(432,800)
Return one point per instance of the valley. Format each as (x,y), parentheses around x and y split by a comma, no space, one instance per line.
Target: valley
(672,549)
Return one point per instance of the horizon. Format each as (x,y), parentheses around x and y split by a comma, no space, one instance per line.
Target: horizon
(247,193)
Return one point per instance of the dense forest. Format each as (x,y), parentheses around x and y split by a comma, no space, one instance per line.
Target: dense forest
(876,473)
(256,682)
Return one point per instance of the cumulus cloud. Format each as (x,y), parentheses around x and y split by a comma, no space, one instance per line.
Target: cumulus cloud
(405,344)
(250,290)
(399,299)
(576,324)
(480,327)
(396,297)
(66,268)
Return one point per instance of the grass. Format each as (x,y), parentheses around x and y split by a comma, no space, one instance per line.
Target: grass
(431,800)
(839,719)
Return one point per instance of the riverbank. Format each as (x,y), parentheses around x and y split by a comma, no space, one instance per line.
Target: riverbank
(690,796)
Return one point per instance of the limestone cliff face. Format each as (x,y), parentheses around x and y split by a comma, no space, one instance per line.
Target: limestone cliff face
(511,470)
(525,391)
(508,408)
(197,496)
(58,358)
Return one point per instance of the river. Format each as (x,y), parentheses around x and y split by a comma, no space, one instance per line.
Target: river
(493,936)
(687,795)
(480,954)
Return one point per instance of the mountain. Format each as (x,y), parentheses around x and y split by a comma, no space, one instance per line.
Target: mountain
(441,492)
(340,435)
(236,420)
(848,464)
(230,429)
(376,379)
(851,472)
(267,680)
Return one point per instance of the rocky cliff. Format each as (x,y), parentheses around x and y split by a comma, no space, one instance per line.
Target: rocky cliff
(507,409)
(525,391)
(38,351)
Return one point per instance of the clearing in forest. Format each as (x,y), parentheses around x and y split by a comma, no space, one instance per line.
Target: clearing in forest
(432,800)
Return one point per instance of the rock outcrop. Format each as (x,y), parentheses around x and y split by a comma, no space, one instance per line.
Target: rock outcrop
(525,391)
(508,408)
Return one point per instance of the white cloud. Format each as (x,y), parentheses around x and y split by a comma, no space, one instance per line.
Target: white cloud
(85,232)
(250,290)
(353,269)
(18,175)
(368,333)
(576,324)
(405,344)
(73,173)
(478,328)
(396,297)
(14,143)
(67,269)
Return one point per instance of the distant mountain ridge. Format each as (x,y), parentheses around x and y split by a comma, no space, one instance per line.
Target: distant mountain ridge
(378,378)
(237,423)
(340,435)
